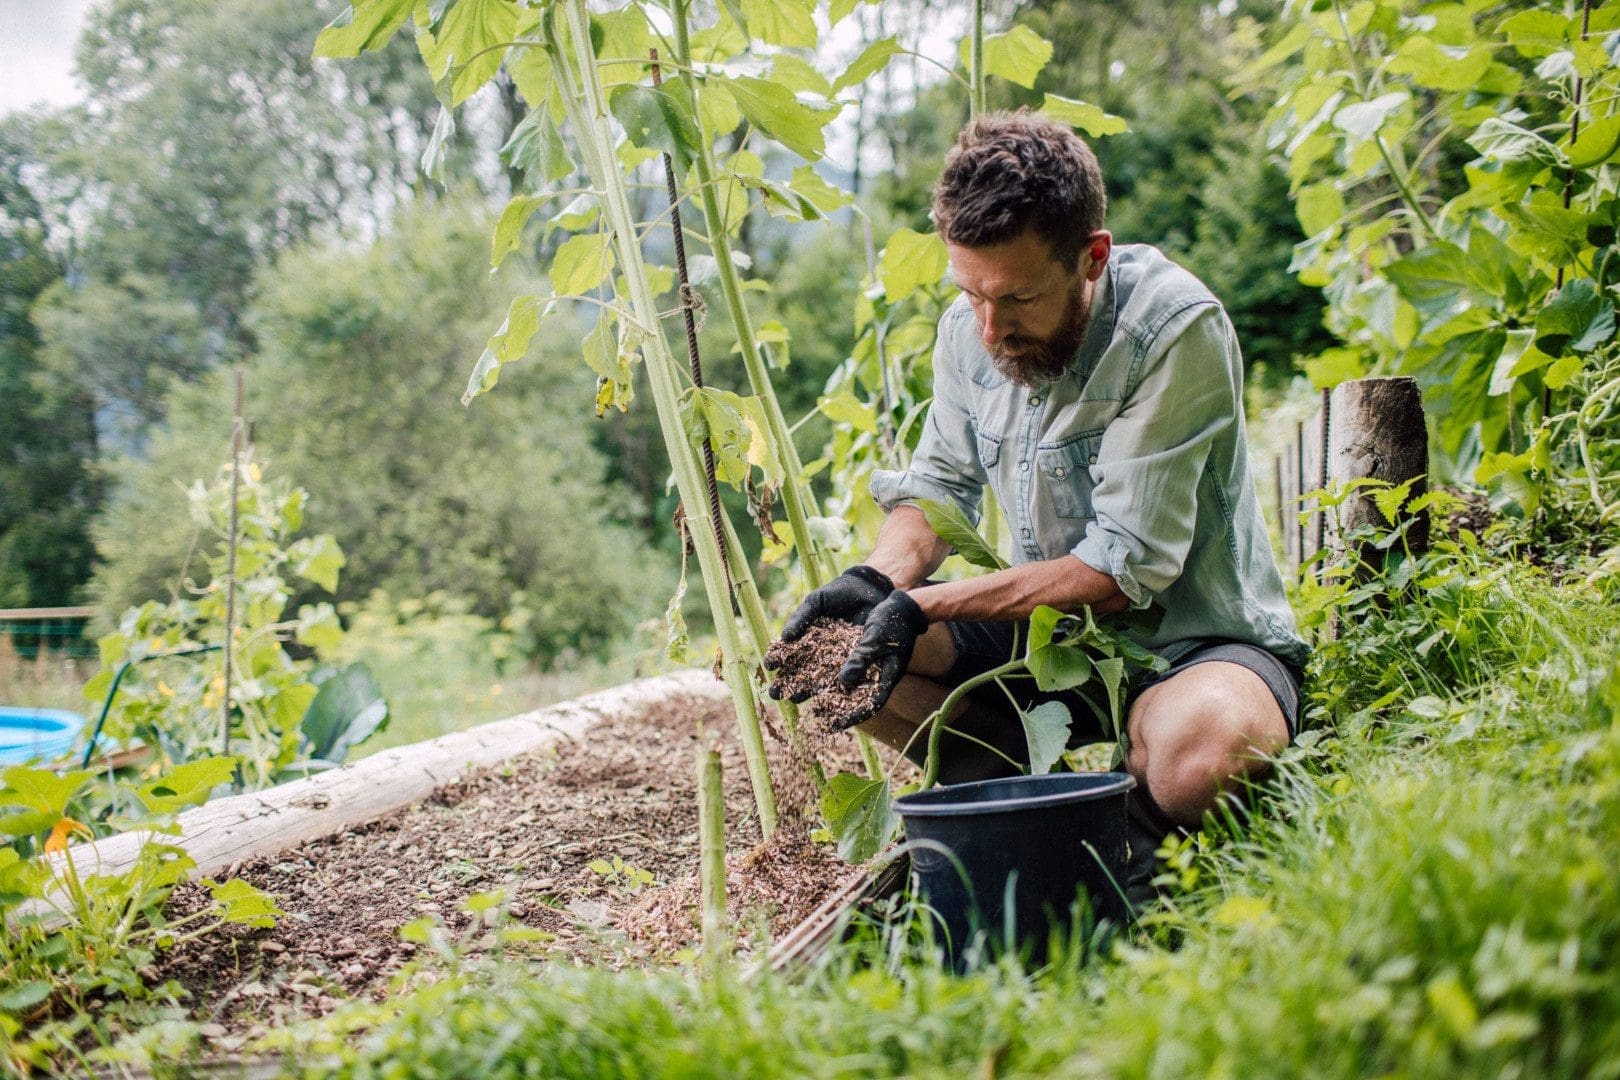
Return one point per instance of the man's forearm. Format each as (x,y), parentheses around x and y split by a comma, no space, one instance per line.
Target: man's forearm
(1065,583)
(907,550)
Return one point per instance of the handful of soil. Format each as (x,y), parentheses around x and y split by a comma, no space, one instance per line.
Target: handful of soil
(810,666)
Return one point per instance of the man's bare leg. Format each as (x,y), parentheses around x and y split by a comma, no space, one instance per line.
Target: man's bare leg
(1201,733)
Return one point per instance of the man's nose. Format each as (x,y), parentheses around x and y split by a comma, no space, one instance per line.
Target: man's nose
(995,326)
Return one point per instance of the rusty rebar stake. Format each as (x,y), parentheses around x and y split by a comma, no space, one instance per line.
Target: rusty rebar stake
(689,300)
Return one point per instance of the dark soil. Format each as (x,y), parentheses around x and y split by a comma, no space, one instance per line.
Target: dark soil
(530,828)
(807,670)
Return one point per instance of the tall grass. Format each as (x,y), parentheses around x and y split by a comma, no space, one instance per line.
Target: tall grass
(45,681)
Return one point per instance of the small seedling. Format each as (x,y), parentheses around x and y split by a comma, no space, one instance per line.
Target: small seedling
(621,875)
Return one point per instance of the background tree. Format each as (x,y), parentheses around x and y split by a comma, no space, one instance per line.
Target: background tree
(353,392)
(48,483)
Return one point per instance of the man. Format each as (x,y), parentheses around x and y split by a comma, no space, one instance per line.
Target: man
(1098,391)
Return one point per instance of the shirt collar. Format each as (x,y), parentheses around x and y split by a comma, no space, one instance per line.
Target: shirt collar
(1101,330)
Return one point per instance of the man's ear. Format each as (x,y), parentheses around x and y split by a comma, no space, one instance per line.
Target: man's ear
(1101,245)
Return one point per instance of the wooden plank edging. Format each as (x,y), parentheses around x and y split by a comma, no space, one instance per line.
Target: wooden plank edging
(224,832)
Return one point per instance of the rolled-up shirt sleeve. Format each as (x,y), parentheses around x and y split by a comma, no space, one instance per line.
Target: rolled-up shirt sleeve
(945,466)
(1153,454)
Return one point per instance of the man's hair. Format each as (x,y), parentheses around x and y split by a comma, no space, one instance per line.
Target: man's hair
(1012,171)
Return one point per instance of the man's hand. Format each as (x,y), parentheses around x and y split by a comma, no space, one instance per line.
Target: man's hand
(890,637)
(848,597)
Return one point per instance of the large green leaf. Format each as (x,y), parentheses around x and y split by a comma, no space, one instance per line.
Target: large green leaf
(1440,67)
(1598,143)
(780,22)
(1059,666)
(1547,231)
(775,111)
(1083,115)
(511,339)
(1536,33)
(186,785)
(1362,120)
(860,814)
(1017,55)
(348,708)
(467,43)
(658,118)
(581,264)
(1502,140)
(1578,320)
(1319,207)
(1046,730)
(911,260)
(536,146)
(873,59)
(953,526)
(367,25)
(509,229)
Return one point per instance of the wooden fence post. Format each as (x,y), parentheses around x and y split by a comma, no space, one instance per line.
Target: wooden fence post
(1378,431)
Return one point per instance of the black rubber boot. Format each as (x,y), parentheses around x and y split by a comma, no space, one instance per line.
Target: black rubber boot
(1146,826)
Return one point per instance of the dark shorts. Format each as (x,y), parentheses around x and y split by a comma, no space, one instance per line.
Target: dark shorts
(981,646)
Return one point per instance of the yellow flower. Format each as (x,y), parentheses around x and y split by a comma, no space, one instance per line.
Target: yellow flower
(58,840)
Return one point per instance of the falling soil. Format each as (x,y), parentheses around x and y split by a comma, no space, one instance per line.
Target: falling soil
(531,828)
(810,665)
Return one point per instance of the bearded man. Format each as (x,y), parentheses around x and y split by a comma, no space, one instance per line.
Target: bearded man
(1098,391)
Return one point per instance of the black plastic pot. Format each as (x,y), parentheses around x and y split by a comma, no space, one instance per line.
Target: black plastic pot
(1004,862)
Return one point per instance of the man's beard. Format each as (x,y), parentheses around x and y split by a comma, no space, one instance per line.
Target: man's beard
(1031,362)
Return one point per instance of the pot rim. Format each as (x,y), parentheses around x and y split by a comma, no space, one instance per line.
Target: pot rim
(928,803)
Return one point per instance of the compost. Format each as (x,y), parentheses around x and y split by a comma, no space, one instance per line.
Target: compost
(810,665)
(532,828)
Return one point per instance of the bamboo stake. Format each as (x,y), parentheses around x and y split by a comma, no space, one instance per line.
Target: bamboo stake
(586,103)
(796,495)
(712,861)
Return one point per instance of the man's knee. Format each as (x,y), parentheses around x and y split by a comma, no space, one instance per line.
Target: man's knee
(1202,732)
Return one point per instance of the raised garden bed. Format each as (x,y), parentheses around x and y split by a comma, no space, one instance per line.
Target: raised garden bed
(544,827)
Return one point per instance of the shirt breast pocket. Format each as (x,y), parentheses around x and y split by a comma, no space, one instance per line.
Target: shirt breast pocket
(989,450)
(1066,470)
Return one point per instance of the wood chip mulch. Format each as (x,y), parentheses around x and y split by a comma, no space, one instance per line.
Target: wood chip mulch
(809,668)
(531,828)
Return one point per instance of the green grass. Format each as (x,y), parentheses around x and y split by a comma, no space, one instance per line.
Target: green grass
(45,681)
(1431,893)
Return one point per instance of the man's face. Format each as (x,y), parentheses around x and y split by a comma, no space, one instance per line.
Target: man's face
(1033,311)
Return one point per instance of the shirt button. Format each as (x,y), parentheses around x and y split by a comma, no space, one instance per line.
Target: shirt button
(1062,472)
(1035,400)
(1094,459)
(1024,465)
(1024,533)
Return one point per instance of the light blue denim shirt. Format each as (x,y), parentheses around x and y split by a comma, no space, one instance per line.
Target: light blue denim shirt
(1135,460)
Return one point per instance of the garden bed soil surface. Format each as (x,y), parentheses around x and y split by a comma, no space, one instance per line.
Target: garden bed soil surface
(531,828)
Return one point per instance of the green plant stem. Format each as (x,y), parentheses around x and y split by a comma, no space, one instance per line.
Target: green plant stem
(1397,176)
(936,722)
(976,62)
(796,494)
(587,108)
(712,861)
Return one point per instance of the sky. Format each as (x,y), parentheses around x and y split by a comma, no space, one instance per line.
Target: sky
(36,52)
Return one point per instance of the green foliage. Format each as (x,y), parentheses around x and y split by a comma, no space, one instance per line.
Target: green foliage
(1427,891)
(177,707)
(48,484)
(260,149)
(501,504)
(1440,272)
(81,934)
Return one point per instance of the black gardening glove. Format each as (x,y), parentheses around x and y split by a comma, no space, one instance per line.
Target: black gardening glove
(849,597)
(890,637)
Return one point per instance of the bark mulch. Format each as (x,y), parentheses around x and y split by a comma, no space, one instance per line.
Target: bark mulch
(530,828)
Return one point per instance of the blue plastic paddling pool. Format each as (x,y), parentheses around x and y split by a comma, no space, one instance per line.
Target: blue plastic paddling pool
(36,734)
